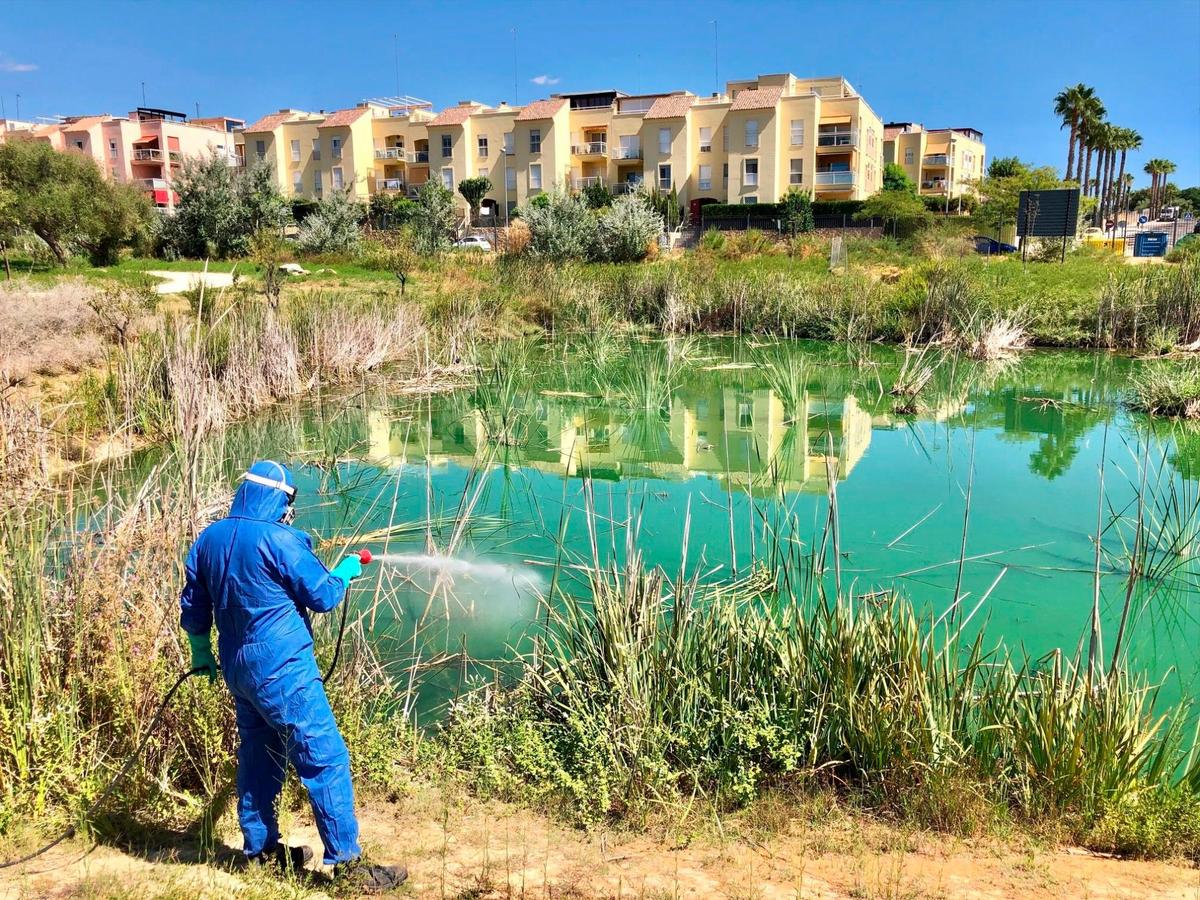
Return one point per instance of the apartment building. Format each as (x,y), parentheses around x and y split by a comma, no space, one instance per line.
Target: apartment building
(942,162)
(749,144)
(145,148)
(379,146)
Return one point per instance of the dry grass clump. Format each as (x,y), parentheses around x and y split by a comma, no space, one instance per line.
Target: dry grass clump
(993,339)
(343,342)
(1169,389)
(24,454)
(48,330)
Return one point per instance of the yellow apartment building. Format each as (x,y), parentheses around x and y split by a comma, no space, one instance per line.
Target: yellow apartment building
(749,144)
(942,162)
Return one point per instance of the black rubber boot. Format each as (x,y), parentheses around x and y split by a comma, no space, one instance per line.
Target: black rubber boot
(283,858)
(367,878)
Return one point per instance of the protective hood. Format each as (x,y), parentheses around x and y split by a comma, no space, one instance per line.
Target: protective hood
(259,501)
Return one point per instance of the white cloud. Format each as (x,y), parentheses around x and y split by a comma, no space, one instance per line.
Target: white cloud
(11,65)
(545,79)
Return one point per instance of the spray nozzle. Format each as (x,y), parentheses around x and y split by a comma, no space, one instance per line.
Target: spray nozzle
(364,556)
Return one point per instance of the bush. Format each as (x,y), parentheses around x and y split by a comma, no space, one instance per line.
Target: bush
(1185,249)
(597,195)
(562,228)
(627,229)
(712,240)
(333,228)
(433,218)
(387,211)
(905,212)
(796,210)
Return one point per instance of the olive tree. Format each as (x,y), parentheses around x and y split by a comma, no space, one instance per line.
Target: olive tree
(433,218)
(627,229)
(334,226)
(473,191)
(561,227)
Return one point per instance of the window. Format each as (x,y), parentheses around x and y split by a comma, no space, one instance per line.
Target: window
(796,171)
(870,138)
(79,145)
(751,177)
(725,139)
(631,146)
(483,172)
(705,140)
(112,149)
(510,179)
(483,148)
(448,178)
(664,177)
(336,178)
(752,132)
(335,148)
(745,413)
(664,141)
(260,148)
(535,176)
(317,181)
(316,150)
(295,151)
(705,178)
(447,146)
(509,143)
(535,141)
(297,185)
(750,200)
(908,156)
(797,132)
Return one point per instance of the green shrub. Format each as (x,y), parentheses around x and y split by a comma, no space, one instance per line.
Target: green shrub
(627,229)
(561,229)
(334,227)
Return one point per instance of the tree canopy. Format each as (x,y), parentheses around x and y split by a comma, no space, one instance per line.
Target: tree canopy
(64,199)
(896,179)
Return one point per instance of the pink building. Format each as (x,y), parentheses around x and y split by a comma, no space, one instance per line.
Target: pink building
(145,148)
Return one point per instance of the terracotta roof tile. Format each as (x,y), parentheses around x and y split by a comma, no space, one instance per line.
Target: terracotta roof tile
(455,115)
(343,117)
(269,123)
(889,134)
(760,98)
(541,109)
(84,122)
(670,107)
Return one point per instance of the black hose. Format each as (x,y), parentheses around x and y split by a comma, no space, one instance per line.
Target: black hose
(121,773)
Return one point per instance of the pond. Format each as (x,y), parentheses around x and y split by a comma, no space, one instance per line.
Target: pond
(739,442)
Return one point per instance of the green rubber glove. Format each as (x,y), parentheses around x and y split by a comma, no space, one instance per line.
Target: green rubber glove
(348,569)
(202,655)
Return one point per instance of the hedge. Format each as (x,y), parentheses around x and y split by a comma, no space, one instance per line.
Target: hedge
(775,210)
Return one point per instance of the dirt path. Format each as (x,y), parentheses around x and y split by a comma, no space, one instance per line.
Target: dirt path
(462,848)
(178,282)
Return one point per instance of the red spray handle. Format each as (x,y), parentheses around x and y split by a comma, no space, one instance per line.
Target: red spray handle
(364,556)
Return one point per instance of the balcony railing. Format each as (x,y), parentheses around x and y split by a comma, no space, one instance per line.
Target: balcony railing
(175,156)
(590,148)
(391,153)
(389,184)
(149,184)
(148,155)
(936,186)
(587,181)
(835,179)
(627,152)
(843,138)
(420,156)
(936,159)
(626,187)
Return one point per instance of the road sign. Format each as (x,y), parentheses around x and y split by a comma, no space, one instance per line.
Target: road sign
(1187,217)
(1142,220)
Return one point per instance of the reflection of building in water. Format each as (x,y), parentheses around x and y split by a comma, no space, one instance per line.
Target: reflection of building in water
(745,438)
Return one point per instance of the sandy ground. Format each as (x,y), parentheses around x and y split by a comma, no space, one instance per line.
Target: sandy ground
(462,848)
(177,282)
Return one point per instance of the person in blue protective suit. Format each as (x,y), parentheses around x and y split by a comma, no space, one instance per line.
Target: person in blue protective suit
(259,579)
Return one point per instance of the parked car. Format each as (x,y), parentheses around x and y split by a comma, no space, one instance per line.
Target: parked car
(473,242)
(990,246)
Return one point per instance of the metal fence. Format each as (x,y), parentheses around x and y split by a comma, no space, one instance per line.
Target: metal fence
(773,223)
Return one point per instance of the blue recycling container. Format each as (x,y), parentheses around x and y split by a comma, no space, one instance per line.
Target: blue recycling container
(1150,243)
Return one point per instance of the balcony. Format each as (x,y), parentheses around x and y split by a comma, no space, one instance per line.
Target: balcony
(835,181)
(420,156)
(389,184)
(936,186)
(148,155)
(620,153)
(396,153)
(626,187)
(587,181)
(176,157)
(590,148)
(840,137)
(149,184)
(936,159)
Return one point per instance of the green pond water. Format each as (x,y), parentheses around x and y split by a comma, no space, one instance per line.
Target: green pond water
(729,435)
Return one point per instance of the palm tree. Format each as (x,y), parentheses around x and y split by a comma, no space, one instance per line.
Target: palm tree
(1153,169)
(1126,188)
(1069,105)
(1165,168)
(1127,139)
(1091,114)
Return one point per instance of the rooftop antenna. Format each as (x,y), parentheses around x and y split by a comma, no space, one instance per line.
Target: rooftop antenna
(515,98)
(143,93)
(3,114)
(197,109)
(18,107)
(716,70)
(396,54)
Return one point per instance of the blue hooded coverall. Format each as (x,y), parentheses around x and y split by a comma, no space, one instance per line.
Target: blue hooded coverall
(259,578)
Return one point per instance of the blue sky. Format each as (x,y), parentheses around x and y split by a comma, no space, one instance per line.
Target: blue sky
(994,66)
